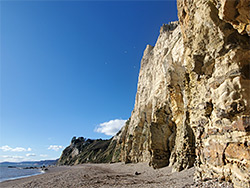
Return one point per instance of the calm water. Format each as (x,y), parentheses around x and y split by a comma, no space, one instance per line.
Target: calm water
(15,173)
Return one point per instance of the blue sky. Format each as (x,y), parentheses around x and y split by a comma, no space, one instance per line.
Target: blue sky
(70,68)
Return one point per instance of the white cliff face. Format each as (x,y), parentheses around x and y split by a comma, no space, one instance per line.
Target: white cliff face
(159,108)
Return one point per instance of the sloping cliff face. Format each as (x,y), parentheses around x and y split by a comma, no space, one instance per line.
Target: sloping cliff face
(83,150)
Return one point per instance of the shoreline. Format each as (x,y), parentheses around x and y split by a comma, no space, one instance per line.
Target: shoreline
(19,177)
(105,175)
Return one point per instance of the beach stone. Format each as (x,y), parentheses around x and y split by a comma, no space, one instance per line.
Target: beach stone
(137,173)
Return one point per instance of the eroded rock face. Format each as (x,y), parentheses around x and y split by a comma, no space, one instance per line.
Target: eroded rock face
(237,13)
(193,99)
(217,62)
(158,131)
(192,103)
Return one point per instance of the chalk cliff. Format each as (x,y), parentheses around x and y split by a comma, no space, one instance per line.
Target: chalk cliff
(192,105)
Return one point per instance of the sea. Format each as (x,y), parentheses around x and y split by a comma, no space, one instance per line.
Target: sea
(15,172)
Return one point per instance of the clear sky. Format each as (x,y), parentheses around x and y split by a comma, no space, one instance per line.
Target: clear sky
(70,68)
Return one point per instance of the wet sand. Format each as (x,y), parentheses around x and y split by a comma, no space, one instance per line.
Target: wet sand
(105,175)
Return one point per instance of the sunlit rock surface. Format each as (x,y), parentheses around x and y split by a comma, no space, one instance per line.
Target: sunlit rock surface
(192,106)
(159,131)
(192,103)
(217,63)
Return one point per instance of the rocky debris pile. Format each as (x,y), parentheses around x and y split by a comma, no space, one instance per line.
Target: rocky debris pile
(212,183)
